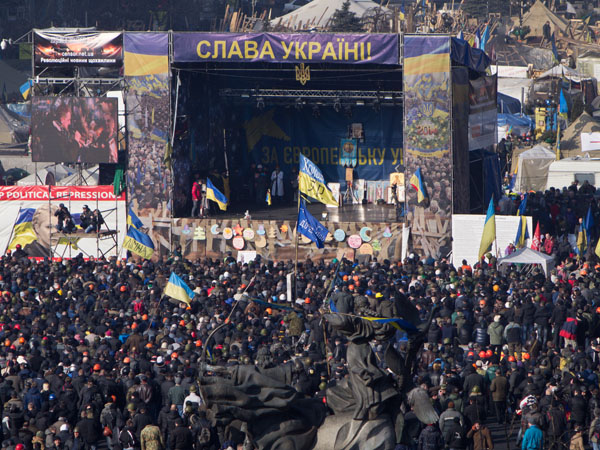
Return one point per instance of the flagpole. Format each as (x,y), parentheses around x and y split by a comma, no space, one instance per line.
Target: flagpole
(296,263)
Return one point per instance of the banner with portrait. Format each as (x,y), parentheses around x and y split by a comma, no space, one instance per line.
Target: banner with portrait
(427,140)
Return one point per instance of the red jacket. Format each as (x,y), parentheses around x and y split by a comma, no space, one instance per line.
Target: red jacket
(196,191)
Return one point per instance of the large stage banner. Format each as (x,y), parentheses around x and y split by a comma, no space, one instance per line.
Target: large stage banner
(147,103)
(28,218)
(286,48)
(482,112)
(427,140)
(60,48)
(277,136)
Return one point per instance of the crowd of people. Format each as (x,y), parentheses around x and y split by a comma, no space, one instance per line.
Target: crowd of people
(92,355)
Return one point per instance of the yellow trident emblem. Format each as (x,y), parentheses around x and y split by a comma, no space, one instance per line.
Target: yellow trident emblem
(302,74)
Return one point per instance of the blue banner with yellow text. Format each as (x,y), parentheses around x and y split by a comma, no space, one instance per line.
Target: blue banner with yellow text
(336,48)
(277,136)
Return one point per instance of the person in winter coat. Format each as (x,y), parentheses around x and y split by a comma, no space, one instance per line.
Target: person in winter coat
(499,390)
(577,440)
(430,438)
(494,330)
(181,437)
(481,436)
(533,438)
(151,438)
(512,336)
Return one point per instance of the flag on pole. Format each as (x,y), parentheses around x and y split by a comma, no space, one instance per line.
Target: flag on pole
(23,232)
(310,227)
(177,289)
(268,199)
(489,230)
(537,239)
(25,89)
(477,42)
(460,35)
(485,37)
(133,220)
(212,193)
(139,243)
(522,231)
(416,181)
(312,183)
(597,251)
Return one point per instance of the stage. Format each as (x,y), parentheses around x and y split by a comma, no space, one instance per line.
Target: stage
(371,213)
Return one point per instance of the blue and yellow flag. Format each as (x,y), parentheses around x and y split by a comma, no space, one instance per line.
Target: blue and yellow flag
(489,230)
(399,324)
(268,199)
(26,89)
(312,183)
(133,220)
(177,289)
(212,193)
(139,243)
(416,181)
(23,232)
(522,231)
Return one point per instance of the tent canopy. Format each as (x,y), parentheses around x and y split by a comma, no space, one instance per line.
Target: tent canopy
(570,144)
(532,169)
(89,177)
(508,104)
(527,255)
(538,15)
(53,173)
(318,13)
(560,71)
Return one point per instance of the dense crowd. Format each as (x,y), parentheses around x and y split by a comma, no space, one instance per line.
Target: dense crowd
(93,356)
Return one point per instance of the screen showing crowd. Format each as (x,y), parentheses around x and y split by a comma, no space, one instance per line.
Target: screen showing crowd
(74,129)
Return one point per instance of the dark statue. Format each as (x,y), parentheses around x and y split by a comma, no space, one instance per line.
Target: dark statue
(261,407)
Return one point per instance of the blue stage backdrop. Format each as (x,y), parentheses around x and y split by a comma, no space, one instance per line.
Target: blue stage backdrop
(277,135)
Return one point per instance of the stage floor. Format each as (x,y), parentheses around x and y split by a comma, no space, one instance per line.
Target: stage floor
(348,213)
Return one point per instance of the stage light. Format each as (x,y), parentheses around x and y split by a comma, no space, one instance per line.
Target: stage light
(360,103)
(388,97)
(337,105)
(3,44)
(260,103)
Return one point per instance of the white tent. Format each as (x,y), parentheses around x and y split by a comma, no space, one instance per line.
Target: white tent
(532,169)
(89,177)
(317,13)
(562,71)
(529,256)
(51,174)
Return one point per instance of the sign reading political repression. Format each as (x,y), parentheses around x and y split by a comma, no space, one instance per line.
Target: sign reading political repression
(286,48)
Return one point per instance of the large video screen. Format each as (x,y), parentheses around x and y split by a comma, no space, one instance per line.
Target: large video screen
(74,129)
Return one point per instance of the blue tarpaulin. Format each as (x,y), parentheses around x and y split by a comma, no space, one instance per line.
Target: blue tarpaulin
(508,104)
(520,124)
(465,55)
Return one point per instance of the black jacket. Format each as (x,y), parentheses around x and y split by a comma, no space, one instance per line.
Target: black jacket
(181,438)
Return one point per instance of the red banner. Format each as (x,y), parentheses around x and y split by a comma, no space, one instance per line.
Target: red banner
(59,193)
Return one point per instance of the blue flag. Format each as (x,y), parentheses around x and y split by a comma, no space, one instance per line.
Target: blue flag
(311,227)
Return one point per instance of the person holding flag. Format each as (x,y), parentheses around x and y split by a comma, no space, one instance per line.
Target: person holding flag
(489,230)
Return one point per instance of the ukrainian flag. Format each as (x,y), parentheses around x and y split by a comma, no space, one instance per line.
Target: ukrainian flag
(177,289)
(23,232)
(522,231)
(399,324)
(268,198)
(212,193)
(416,181)
(133,220)
(489,230)
(138,243)
(26,89)
(312,183)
